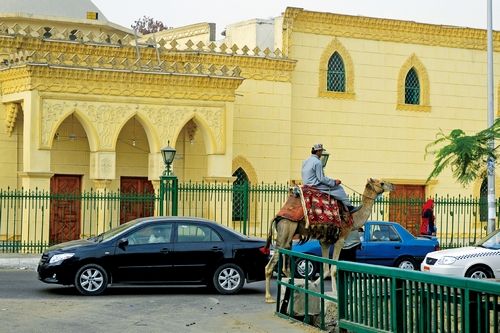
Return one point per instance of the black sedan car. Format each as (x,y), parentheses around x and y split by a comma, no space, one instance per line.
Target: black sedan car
(157,250)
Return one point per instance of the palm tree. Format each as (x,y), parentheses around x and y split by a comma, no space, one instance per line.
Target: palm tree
(466,155)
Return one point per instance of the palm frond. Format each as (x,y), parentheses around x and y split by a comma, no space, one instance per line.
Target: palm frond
(466,155)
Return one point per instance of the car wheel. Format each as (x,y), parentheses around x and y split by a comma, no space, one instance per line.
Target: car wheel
(91,280)
(300,268)
(479,272)
(407,263)
(228,279)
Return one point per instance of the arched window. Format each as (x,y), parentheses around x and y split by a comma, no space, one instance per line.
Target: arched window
(483,200)
(412,88)
(240,195)
(336,73)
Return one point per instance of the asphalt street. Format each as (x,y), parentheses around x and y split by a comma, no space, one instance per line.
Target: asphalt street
(28,305)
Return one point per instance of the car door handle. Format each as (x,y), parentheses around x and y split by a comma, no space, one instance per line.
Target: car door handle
(165,250)
(216,248)
(397,247)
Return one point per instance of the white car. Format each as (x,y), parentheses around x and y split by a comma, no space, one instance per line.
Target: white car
(481,261)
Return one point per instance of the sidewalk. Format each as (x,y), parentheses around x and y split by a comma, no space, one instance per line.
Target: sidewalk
(19,261)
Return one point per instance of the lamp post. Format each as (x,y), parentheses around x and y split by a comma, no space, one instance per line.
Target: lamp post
(168,181)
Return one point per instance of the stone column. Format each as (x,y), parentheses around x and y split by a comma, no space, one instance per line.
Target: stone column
(99,217)
(36,174)
(35,210)
(155,170)
(102,172)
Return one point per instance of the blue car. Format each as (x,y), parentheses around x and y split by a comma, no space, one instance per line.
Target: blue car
(378,243)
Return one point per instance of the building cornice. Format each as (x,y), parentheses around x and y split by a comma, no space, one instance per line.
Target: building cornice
(390,30)
(87,55)
(117,83)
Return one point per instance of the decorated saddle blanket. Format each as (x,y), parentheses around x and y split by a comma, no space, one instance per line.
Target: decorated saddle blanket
(319,206)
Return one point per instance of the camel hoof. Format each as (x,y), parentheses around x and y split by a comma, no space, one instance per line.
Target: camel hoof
(270,300)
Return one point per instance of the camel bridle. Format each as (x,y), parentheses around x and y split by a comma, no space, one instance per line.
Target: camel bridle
(372,186)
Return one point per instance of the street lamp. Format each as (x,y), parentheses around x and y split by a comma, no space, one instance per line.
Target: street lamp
(168,181)
(168,154)
(324,158)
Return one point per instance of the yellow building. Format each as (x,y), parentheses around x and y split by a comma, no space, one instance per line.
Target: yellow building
(86,104)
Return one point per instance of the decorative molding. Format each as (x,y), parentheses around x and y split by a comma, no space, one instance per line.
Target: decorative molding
(219,179)
(101,184)
(56,36)
(117,83)
(241,162)
(414,62)
(389,30)
(192,30)
(336,46)
(289,18)
(401,181)
(11,111)
(107,119)
(53,114)
(103,121)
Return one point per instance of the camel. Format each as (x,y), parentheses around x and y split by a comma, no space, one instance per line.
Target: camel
(286,230)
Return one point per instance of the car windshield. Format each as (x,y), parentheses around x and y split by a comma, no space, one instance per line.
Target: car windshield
(492,241)
(114,231)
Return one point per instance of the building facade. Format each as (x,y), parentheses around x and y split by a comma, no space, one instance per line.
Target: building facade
(87,104)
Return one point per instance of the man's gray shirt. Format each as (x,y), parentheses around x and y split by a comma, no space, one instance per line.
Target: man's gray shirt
(312,174)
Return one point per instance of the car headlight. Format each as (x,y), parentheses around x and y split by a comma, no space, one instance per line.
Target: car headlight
(60,257)
(446,260)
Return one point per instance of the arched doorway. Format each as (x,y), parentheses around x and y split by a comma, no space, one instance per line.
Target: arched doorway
(136,190)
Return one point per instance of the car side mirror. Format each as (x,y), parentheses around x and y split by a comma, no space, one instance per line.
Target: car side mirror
(122,243)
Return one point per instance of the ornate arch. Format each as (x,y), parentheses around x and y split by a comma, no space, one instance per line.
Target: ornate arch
(336,46)
(241,162)
(54,112)
(148,127)
(424,106)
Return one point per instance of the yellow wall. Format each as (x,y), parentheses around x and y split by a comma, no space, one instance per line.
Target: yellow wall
(262,128)
(367,136)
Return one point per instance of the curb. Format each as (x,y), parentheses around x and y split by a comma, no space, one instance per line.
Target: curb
(19,261)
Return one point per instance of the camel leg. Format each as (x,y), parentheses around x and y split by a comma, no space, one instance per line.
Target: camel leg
(336,254)
(269,272)
(325,253)
(285,230)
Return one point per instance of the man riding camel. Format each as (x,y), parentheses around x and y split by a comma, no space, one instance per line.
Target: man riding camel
(313,175)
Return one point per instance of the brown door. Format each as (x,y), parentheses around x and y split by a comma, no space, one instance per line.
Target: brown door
(137,198)
(406,205)
(65,206)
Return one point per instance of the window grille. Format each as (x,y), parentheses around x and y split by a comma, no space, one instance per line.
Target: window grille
(240,187)
(336,73)
(412,88)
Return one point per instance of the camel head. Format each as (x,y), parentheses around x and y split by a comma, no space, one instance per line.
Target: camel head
(377,186)
(373,188)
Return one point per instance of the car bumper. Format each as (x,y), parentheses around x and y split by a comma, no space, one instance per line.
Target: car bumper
(59,274)
(447,270)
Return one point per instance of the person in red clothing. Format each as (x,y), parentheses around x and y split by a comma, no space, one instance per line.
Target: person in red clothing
(427,226)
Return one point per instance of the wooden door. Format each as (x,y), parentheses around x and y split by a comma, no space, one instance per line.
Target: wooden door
(137,198)
(406,206)
(65,209)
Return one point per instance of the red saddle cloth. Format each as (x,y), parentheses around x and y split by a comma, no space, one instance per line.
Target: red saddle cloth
(292,209)
(321,208)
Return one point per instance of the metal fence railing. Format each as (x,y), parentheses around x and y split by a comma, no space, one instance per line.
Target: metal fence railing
(385,299)
(31,220)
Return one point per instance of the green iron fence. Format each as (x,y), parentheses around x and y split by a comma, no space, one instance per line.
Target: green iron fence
(31,220)
(383,299)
